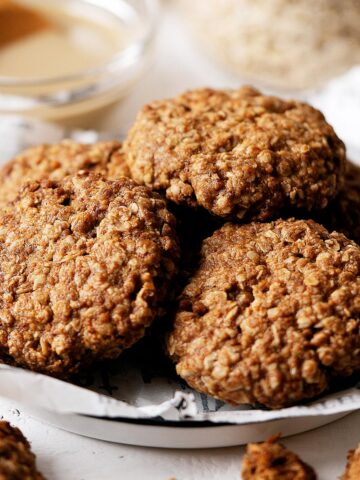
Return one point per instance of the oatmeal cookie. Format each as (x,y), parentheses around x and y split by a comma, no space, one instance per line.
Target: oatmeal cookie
(85,264)
(272,461)
(352,471)
(272,314)
(56,161)
(343,213)
(17,462)
(238,154)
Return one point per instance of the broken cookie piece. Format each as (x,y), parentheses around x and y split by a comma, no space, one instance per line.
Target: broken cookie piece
(352,471)
(17,462)
(270,460)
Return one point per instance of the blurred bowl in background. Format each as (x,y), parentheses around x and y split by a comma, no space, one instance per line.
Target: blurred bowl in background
(113,41)
(283,44)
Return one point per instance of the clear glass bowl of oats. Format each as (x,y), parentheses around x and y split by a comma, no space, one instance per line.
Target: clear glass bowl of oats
(284,44)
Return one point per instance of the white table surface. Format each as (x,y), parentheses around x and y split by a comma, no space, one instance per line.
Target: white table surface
(65,456)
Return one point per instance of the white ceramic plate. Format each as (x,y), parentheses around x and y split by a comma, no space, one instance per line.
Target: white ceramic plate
(165,434)
(156,432)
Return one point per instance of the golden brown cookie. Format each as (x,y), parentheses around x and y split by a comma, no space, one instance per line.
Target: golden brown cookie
(17,462)
(238,154)
(352,471)
(270,460)
(56,161)
(85,264)
(271,315)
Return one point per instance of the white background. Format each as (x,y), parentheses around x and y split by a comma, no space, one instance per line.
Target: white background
(65,456)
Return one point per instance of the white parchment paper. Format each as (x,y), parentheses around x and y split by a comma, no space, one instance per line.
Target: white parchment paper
(126,394)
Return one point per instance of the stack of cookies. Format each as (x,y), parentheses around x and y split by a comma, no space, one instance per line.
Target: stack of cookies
(246,201)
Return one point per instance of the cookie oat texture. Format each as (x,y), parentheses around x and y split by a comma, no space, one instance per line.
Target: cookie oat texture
(56,161)
(272,314)
(85,264)
(270,460)
(352,471)
(17,462)
(237,153)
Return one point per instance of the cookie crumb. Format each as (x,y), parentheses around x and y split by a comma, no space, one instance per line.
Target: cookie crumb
(352,471)
(271,460)
(17,462)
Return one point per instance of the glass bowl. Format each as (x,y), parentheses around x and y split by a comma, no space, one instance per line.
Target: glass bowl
(287,46)
(78,98)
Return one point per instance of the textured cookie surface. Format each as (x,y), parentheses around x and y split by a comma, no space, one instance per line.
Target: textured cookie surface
(271,315)
(272,461)
(84,265)
(238,154)
(17,462)
(352,471)
(56,161)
